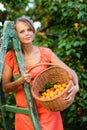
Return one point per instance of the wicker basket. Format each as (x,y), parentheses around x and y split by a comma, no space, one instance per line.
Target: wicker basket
(52,74)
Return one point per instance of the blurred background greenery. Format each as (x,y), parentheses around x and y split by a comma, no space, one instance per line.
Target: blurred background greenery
(62,26)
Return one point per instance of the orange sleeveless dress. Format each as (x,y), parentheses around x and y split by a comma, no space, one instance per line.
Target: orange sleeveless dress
(48,120)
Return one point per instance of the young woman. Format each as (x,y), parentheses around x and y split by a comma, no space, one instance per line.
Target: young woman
(33,55)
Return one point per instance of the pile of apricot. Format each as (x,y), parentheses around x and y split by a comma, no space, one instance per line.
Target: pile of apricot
(53,91)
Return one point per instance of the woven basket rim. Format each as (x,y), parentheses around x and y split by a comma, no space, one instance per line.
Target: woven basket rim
(54,66)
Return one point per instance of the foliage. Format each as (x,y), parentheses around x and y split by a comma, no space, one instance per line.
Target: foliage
(64,30)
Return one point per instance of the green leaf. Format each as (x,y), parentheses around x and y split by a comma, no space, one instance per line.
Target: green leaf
(84,119)
(80,15)
(78,55)
(85,96)
(84,75)
(68,46)
(76,43)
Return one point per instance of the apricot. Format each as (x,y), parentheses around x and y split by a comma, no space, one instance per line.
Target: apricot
(53,91)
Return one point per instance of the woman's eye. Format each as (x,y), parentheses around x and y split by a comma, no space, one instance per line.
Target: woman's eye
(29,29)
(22,31)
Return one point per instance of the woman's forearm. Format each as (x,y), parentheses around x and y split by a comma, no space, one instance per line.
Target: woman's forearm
(75,80)
(12,86)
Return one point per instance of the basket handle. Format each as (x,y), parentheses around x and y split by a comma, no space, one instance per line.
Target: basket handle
(45,63)
(41,65)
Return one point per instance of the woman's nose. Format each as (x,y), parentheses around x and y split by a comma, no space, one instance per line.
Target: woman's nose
(26,32)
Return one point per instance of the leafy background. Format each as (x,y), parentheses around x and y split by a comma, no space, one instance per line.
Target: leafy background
(64,30)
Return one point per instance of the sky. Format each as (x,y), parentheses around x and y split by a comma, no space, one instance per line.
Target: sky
(2,7)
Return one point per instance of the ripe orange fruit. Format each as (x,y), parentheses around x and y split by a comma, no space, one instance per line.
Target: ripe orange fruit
(53,91)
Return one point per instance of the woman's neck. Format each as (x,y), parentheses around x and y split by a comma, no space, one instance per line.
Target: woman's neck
(27,49)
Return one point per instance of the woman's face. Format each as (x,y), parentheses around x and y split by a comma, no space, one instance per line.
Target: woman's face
(24,32)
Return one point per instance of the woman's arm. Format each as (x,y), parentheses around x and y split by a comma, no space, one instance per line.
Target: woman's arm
(57,61)
(75,88)
(7,84)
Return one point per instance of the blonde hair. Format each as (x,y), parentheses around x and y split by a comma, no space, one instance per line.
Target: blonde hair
(26,20)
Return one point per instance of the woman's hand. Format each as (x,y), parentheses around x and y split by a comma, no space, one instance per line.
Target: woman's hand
(71,94)
(27,76)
